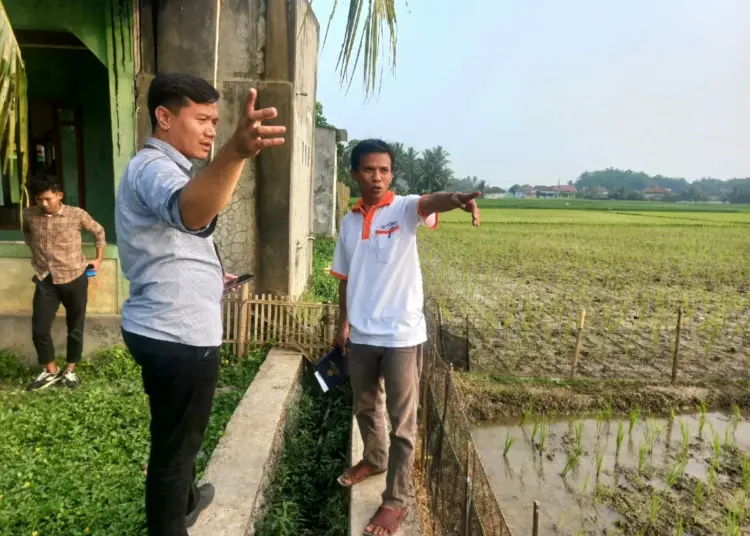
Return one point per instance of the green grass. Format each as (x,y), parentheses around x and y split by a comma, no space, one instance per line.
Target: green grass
(323,288)
(523,277)
(72,461)
(592,204)
(595,204)
(305,498)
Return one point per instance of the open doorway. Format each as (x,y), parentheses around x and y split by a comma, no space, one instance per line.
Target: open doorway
(69,128)
(55,137)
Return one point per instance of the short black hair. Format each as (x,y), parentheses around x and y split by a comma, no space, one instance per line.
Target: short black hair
(371,146)
(43,182)
(172,90)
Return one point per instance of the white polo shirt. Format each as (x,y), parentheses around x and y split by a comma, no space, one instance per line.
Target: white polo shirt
(376,254)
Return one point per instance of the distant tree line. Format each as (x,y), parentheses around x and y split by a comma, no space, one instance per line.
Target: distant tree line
(430,170)
(629,185)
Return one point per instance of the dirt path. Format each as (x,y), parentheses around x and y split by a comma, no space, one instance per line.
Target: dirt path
(487,398)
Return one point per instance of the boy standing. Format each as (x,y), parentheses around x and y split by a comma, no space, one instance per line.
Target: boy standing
(380,302)
(53,232)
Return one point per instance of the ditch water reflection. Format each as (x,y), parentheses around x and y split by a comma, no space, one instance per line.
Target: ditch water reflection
(568,504)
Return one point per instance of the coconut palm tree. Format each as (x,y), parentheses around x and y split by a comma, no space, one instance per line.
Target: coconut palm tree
(436,169)
(379,22)
(13,110)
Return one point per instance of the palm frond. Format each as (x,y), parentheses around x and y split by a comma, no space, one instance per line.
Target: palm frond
(13,111)
(380,17)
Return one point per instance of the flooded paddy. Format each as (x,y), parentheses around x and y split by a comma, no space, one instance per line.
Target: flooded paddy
(634,474)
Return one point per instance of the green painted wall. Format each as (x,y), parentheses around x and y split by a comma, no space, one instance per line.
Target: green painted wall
(77,77)
(83,18)
(119,34)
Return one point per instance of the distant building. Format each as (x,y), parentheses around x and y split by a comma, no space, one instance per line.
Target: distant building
(655,192)
(566,191)
(494,195)
(525,191)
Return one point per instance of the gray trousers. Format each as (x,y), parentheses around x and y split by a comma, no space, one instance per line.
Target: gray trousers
(400,369)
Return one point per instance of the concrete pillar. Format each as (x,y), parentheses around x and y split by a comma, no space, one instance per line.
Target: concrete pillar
(270,45)
(325,182)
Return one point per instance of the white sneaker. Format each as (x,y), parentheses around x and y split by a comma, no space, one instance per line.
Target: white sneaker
(44,380)
(70,379)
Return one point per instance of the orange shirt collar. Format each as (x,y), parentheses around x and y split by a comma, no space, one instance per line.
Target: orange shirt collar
(359,206)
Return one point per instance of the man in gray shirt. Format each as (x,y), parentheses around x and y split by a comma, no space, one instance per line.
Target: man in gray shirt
(171,323)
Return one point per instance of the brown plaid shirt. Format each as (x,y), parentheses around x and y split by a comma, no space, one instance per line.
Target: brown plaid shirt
(55,241)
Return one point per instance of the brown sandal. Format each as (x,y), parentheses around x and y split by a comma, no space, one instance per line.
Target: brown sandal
(356,474)
(387,518)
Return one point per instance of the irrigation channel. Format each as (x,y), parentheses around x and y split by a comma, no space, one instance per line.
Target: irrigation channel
(635,474)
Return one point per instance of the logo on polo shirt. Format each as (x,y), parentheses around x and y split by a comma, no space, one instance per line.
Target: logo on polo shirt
(387,228)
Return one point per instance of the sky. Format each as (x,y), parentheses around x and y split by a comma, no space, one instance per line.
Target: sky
(540,91)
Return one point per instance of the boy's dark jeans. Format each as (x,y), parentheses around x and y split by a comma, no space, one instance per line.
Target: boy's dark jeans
(47,299)
(180,381)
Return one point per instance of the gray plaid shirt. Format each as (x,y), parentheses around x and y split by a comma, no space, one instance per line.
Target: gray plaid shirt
(175,274)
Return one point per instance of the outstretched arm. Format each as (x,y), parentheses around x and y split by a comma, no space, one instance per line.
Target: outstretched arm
(207,194)
(447,201)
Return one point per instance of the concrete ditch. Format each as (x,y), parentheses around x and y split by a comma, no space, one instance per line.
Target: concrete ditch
(243,464)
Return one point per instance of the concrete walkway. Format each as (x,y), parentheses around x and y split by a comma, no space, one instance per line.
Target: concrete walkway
(243,463)
(366,497)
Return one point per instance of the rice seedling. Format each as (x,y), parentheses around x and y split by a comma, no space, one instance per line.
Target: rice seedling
(729,436)
(702,423)
(579,437)
(524,417)
(685,432)
(746,474)
(585,485)
(738,506)
(733,525)
(635,415)
(672,414)
(543,435)
(698,495)
(619,438)
(599,462)
(675,473)
(736,413)
(509,440)
(643,452)
(607,412)
(653,506)
(680,529)
(717,447)
(711,479)
(599,423)
(535,430)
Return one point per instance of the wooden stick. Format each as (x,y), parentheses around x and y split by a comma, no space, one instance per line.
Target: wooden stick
(535,526)
(468,346)
(440,329)
(579,341)
(468,490)
(426,413)
(242,321)
(676,356)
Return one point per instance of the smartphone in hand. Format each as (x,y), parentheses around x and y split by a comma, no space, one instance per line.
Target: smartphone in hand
(229,286)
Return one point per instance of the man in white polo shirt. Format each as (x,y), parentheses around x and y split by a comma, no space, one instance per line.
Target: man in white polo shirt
(381,302)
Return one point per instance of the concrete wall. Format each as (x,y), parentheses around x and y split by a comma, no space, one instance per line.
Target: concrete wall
(271,45)
(325,182)
(187,43)
(301,214)
(17,290)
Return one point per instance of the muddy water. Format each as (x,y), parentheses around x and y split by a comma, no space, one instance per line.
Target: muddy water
(567,503)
